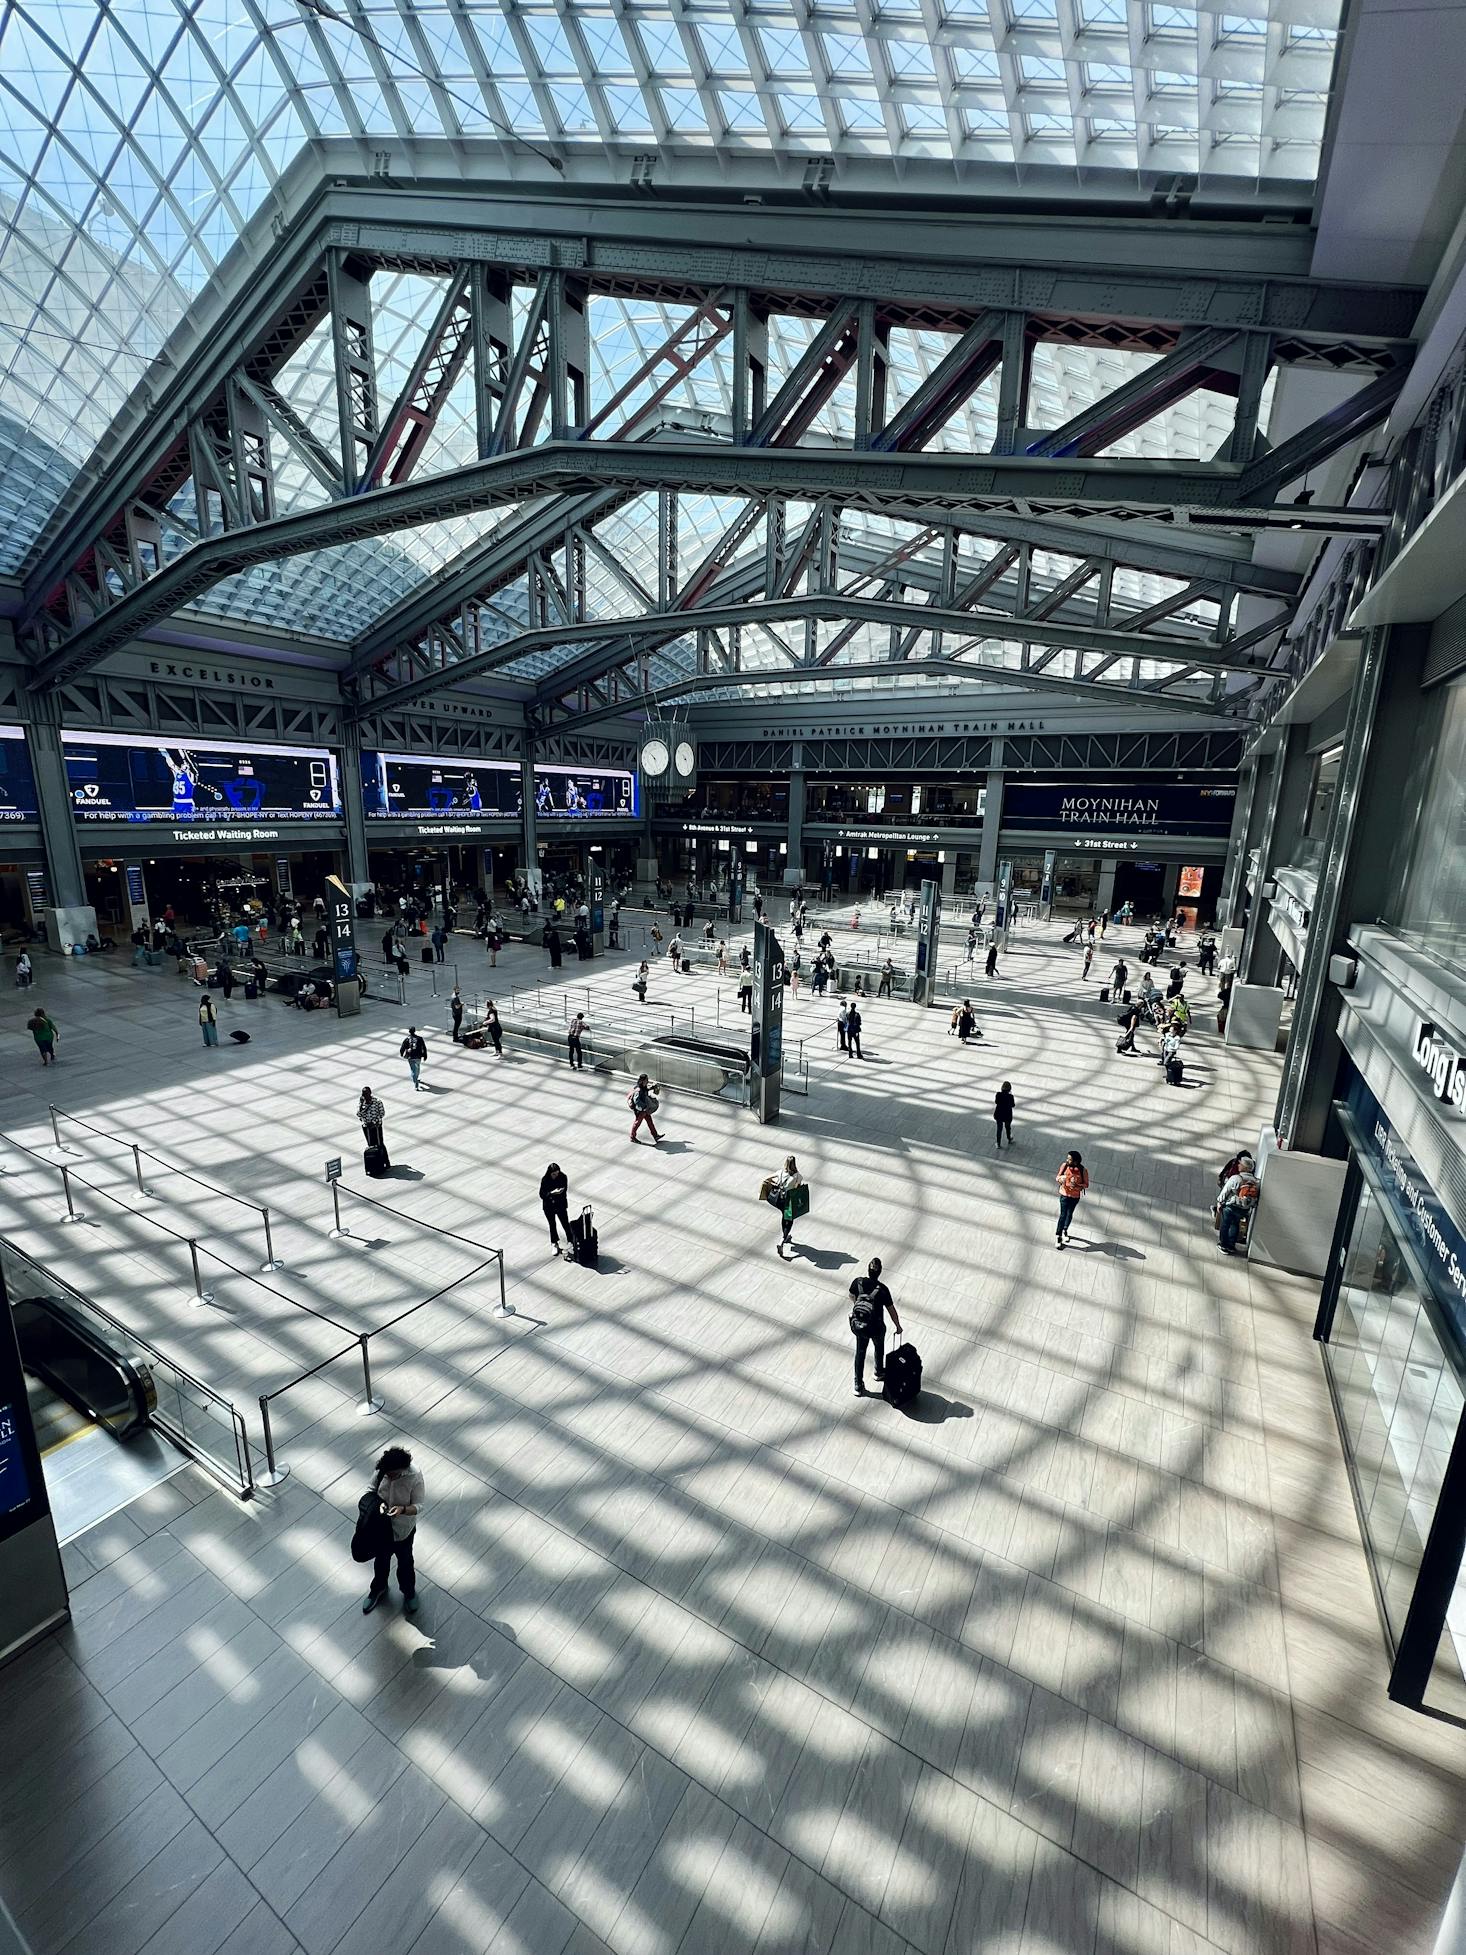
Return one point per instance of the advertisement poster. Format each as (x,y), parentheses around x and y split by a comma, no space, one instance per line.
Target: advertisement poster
(398,787)
(114,778)
(17,783)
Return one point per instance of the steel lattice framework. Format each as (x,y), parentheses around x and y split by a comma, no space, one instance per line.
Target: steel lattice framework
(631,465)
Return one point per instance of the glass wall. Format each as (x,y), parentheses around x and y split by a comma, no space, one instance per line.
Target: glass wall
(1399,1402)
(1431,911)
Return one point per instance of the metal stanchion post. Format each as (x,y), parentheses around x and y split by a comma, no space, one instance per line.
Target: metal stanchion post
(200,1296)
(274,1473)
(61,1148)
(71,1214)
(272,1261)
(340,1228)
(137,1167)
(505,1309)
(370,1403)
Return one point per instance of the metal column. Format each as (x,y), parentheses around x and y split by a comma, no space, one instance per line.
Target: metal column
(992,819)
(68,885)
(358,870)
(528,837)
(794,859)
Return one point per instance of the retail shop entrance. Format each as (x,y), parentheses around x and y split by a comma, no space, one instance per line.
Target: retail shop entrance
(203,889)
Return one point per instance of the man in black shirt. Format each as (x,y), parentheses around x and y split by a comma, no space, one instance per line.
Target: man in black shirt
(870,1301)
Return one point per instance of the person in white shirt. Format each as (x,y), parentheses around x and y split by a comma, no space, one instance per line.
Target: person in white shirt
(403,1494)
(781,1188)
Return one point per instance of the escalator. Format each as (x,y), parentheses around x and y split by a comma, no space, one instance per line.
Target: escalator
(91,1405)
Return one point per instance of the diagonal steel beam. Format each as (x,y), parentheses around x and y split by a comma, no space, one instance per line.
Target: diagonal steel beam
(1313,445)
(937,668)
(430,380)
(1188,495)
(953,380)
(1137,401)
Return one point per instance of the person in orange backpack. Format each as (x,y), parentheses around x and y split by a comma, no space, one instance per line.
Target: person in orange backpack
(1073,1180)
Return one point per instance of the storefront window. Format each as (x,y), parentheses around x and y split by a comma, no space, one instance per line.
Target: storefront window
(1432,908)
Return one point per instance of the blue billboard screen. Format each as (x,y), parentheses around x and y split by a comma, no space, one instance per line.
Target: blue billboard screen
(17,782)
(395,787)
(115,779)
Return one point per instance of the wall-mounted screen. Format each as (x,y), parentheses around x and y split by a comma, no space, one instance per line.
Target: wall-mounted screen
(584,791)
(17,782)
(1144,807)
(398,787)
(115,778)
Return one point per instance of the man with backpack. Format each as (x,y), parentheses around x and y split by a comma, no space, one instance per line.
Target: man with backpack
(414,1050)
(643,1103)
(870,1303)
(1236,1203)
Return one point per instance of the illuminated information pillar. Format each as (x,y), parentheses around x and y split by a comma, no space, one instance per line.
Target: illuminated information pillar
(341,924)
(928,931)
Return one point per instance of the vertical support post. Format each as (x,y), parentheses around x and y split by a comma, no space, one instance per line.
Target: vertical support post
(505,1309)
(928,935)
(137,1167)
(369,1401)
(71,1214)
(274,1472)
(340,1229)
(766,1036)
(272,1261)
(56,1133)
(750,365)
(356,369)
(200,1295)
(65,878)
(1011,386)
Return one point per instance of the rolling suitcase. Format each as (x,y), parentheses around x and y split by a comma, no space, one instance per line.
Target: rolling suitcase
(1104,994)
(374,1160)
(903,1375)
(427,954)
(251,989)
(585,1243)
(1175,1072)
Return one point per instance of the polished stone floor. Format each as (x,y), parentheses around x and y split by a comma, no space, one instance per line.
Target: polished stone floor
(1075,1657)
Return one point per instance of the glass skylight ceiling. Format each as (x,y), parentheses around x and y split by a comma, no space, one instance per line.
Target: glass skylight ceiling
(138,138)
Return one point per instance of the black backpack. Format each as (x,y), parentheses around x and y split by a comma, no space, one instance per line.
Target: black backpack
(373,1528)
(864,1310)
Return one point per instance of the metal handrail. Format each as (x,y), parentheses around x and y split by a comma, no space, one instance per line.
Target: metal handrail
(201,1296)
(271,1260)
(243,1482)
(369,1403)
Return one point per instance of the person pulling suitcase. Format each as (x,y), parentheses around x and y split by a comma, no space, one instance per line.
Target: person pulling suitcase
(870,1304)
(371,1113)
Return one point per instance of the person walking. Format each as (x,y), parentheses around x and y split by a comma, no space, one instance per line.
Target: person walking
(496,943)
(1117,978)
(852,1030)
(439,942)
(722,957)
(842,1025)
(42,1029)
(23,971)
(1088,959)
(991,966)
(553,946)
(971,946)
(870,1304)
(414,1050)
(1130,1020)
(888,975)
(403,1494)
(225,976)
(745,991)
(455,1012)
(1003,1104)
(643,1103)
(576,1033)
(371,1113)
(674,951)
(494,1029)
(1073,1181)
(779,1194)
(208,1020)
(554,1197)
(793,969)
(967,1026)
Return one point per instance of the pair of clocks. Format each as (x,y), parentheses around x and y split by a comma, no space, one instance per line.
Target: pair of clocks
(664,759)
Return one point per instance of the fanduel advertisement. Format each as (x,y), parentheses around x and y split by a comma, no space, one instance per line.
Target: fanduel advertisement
(113,778)
(397,787)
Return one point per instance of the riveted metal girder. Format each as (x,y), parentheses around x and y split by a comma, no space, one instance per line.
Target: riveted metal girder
(1180,494)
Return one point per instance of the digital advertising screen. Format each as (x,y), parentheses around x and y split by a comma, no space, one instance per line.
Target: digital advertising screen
(1145,807)
(581,791)
(17,782)
(115,778)
(394,785)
